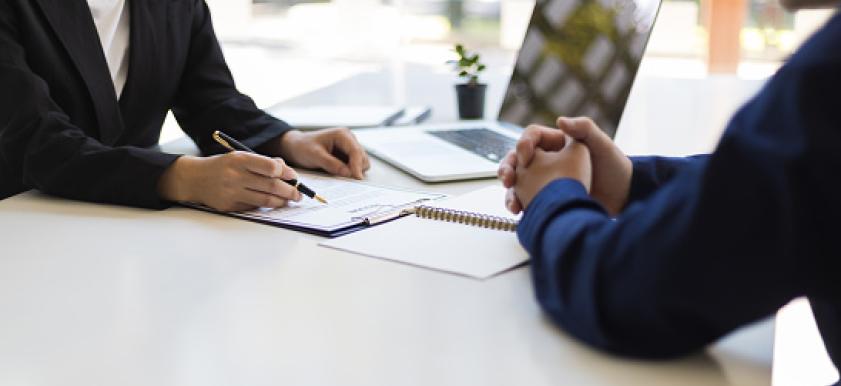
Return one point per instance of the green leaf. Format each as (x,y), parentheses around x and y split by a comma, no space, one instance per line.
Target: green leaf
(460,49)
(480,68)
(463,73)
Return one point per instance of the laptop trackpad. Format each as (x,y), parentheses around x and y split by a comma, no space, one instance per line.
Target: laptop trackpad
(431,157)
(434,149)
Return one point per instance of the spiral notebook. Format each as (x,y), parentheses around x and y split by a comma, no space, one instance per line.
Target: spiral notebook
(470,235)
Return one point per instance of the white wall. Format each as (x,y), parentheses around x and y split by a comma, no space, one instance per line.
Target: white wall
(231,18)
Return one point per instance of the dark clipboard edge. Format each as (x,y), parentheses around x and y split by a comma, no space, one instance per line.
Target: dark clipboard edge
(362,224)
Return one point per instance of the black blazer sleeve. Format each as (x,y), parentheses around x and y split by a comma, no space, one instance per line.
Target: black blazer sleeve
(208,100)
(40,143)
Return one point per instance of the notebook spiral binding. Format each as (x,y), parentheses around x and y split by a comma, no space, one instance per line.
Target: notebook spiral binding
(462,217)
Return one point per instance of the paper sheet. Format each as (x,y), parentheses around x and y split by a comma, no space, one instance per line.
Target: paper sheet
(350,202)
(456,248)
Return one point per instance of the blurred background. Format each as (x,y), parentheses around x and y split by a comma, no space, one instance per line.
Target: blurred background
(281,50)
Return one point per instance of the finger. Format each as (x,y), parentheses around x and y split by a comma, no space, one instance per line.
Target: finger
(526,144)
(367,162)
(506,175)
(260,199)
(258,164)
(510,159)
(578,148)
(586,131)
(538,136)
(265,166)
(551,139)
(512,202)
(330,163)
(274,186)
(357,157)
(287,173)
(506,169)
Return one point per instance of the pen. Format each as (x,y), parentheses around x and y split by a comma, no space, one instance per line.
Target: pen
(233,145)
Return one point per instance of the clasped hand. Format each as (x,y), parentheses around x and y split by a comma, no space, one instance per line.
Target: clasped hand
(577,149)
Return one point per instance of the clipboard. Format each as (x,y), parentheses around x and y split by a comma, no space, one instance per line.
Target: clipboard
(353,206)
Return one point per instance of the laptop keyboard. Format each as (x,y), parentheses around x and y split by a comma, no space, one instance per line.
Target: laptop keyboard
(485,143)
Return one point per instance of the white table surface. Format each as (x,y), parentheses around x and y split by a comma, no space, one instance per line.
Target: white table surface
(104,295)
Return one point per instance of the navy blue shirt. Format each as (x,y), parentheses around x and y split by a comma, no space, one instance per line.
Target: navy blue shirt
(709,243)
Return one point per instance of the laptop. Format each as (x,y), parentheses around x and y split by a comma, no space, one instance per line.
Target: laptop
(578,58)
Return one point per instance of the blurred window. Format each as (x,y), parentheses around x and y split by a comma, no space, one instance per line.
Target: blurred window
(373,29)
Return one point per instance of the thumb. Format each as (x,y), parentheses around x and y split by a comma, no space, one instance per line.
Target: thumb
(586,131)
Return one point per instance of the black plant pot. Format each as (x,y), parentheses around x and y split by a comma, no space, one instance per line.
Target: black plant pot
(471,100)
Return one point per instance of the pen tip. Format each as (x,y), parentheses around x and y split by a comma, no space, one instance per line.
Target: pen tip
(320,199)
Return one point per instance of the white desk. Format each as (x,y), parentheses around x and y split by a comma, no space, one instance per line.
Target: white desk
(100,295)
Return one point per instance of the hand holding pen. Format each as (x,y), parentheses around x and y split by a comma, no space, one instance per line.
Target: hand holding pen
(234,145)
(229,182)
(241,180)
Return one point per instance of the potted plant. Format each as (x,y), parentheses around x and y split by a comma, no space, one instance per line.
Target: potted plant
(471,93)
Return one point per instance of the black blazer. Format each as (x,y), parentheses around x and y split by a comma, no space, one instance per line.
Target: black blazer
(64,131)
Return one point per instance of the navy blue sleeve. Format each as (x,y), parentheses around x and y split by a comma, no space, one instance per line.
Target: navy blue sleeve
(650,172)
(727,240)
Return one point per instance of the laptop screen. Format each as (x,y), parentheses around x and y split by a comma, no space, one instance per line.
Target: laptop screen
(579,58)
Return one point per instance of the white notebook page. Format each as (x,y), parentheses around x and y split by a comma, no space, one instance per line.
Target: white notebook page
(455,248)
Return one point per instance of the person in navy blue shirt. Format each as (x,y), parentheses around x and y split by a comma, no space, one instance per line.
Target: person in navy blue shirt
(657,257)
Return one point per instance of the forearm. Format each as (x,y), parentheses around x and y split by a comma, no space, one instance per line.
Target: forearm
(601,291)
(641,285)
(175,183)
(91,172)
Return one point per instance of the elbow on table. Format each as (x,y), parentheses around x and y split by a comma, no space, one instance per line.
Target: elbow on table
(625,336)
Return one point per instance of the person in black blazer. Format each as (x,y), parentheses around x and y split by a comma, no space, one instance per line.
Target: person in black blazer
(656,257)
(65,131)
